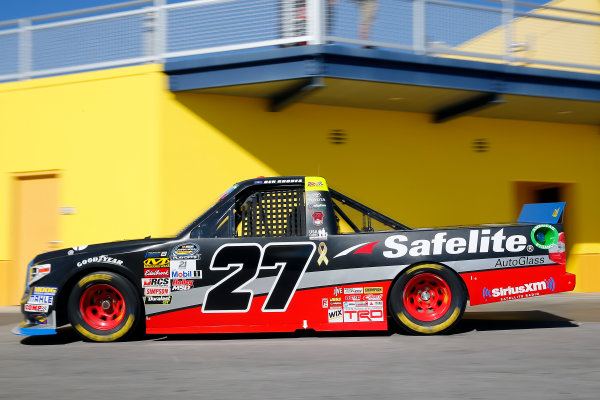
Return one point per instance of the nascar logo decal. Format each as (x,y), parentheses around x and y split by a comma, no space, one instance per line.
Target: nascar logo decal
(186,251)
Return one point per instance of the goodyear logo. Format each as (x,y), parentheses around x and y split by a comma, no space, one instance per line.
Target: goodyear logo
(44,290)
(373,290)
(156,262)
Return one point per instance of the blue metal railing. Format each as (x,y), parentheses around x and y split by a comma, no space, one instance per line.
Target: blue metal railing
(155,30)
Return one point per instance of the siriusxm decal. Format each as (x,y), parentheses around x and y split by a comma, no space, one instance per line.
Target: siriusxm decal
(548,284)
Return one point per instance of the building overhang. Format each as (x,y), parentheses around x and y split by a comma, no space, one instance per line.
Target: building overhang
(445,88)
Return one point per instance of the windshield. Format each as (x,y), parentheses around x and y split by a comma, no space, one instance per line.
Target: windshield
(209,210)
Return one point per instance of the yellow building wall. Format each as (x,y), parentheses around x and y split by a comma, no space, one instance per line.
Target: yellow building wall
(99,130)
(419,173)
(138,160)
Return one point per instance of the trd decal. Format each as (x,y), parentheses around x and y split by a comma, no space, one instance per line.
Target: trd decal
(246,260)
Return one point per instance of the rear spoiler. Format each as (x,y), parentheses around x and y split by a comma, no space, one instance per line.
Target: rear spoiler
(541,213)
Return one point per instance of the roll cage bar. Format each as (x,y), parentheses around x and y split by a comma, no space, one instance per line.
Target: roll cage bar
(367,211)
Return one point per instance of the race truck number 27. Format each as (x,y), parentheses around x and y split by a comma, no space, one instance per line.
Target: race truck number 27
(246,260)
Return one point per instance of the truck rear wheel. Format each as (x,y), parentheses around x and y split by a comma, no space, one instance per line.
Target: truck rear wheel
(427,299)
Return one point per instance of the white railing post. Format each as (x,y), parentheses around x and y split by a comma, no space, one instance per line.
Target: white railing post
(25,48)
(316,22)
(508,11)
(419,45)
(160,30)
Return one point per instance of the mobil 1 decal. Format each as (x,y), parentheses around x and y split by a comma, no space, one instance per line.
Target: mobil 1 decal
(242,262)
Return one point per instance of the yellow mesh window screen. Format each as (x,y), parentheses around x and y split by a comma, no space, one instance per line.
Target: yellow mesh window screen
(277,213)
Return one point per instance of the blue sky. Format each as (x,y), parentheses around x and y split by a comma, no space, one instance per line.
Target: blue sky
(14,9)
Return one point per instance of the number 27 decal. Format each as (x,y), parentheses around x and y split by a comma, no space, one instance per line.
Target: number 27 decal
(246,260)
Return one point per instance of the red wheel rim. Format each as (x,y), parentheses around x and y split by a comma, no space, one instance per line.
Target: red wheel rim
(102,306)
(427,297)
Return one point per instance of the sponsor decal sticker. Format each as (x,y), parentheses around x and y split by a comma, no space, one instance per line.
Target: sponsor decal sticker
(157,291)
(373,290)
(353,297)
(317,234)
(318,218)
(355,290)
(335,315)
(46,299)
(335,299)
(36,307)
(186,274)
(516,292)
(156,262)
(185,251)
(519,261)
(479,241)
(325,303)
(315,183)
(315,197)
(181,284)
(147,282)
(183,265)
(353,304)
(157,300)
(157,254)
(100,259)
(157,272)
(363,315)
(373,297)
(44,290)
(337,291)
(544,236)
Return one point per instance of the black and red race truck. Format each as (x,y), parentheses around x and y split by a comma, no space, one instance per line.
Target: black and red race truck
(288,253)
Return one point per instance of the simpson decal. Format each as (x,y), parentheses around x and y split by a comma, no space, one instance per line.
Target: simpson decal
(157,291)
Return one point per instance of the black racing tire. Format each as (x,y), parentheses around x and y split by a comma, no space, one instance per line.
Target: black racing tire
(427,299)
(104,307)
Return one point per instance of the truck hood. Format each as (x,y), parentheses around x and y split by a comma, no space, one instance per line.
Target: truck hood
(101,248)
